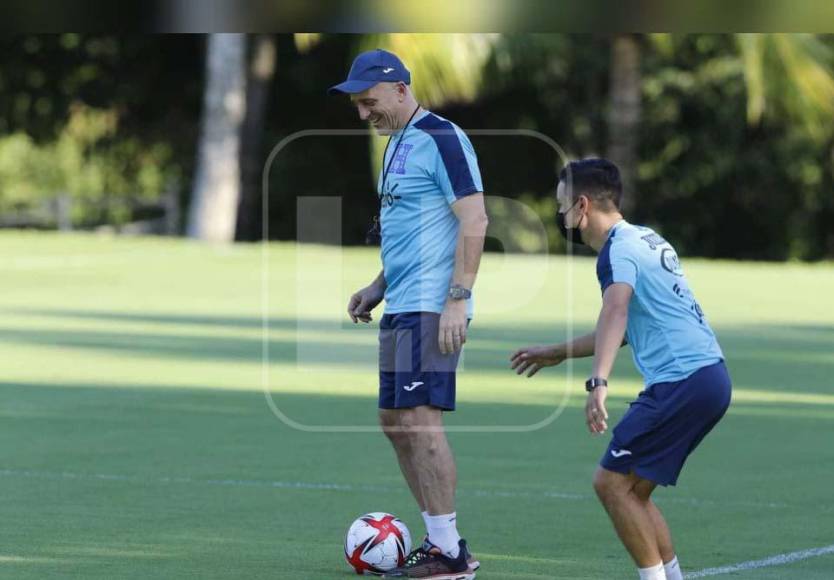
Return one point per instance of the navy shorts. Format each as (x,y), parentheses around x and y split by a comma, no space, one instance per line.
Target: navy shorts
(666,423)
(412,370)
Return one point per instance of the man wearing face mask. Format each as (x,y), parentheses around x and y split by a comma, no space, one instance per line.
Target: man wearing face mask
(433,224)
(647,304)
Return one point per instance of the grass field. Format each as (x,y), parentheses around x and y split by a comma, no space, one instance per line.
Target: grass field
(137,441)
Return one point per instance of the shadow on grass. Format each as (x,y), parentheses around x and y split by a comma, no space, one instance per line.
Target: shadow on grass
(767,357)
(492,333)
(207,433)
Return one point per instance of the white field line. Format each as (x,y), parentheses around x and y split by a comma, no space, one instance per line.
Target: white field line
(778,560)
(347,487)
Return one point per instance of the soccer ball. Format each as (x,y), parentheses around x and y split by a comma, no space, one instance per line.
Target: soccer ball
(376,543)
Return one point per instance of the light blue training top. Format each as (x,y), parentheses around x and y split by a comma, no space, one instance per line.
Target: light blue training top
(667,331)
(433,166)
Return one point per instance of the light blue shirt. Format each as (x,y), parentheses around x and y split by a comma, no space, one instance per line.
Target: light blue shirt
(667,330)
(433,166)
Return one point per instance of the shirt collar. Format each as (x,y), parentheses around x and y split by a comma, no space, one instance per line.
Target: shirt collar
(417,117)
(615,227)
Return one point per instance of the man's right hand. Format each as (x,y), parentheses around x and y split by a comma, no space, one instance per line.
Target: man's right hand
(363,301)
(533,358)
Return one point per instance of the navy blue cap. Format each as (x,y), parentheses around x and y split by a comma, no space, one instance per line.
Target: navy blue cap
(370,68)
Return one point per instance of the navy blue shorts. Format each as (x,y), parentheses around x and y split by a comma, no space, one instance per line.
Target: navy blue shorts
(666,423)
(412,370)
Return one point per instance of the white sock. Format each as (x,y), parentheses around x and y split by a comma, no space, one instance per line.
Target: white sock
(673,569)
(426,520)
(443,533)
(652,573)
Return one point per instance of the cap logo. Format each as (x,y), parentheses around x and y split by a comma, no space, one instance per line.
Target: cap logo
(387,70)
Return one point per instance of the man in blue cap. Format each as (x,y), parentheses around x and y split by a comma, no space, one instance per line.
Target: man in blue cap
(433,223)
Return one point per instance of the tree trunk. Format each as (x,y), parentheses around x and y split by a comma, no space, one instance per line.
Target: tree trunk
(624,113)
(258,84)
(215,197)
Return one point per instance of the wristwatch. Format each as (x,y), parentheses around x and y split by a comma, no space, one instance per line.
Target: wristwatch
(458,292)
(595,382)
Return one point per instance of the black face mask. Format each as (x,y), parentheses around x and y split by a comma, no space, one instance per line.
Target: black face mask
(570,234)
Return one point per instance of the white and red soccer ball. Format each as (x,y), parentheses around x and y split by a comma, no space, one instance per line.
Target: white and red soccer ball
(376,543)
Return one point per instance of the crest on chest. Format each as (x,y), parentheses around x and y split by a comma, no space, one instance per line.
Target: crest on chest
(400,157)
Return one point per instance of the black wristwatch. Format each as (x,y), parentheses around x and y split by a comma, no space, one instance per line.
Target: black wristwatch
(458,292)
(595,382)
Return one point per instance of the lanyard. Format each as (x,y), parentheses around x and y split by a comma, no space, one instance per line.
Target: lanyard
(373,237)
(394,154)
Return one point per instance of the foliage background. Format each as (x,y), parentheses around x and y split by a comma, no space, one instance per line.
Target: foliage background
(730,164)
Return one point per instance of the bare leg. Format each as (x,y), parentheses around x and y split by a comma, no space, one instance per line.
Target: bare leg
(429,467)
(629,514)
(431,458)
(390,421)
(644,489)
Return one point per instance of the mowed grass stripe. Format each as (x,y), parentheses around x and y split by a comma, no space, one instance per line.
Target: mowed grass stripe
(141,362)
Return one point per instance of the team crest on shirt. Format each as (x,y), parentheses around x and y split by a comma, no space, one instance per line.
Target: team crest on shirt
(670,262)
(400,157)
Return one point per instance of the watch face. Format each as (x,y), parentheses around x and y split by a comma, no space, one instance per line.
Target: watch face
(457,293)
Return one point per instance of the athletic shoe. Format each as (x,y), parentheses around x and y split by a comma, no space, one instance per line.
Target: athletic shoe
(430,563)
(470,559)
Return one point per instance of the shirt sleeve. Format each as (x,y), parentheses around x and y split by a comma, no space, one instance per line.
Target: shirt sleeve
(457,172)
(617,264)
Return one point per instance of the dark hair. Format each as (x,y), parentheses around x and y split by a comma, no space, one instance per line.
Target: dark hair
(596,178)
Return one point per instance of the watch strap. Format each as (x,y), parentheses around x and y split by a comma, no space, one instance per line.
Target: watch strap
(595,382)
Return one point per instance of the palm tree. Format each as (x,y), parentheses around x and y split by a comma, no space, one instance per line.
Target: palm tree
(258,83)
(625,92)
(216,193)
(791,74)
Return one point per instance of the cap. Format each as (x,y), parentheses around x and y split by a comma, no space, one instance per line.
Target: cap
(371,68)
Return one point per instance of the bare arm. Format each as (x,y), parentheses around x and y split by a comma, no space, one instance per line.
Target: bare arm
(611,327)
(363,301)
(580,347)
(473,222)
(379,281)
(533,358)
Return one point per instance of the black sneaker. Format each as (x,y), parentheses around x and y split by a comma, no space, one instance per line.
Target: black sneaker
(429,562)
(470,559)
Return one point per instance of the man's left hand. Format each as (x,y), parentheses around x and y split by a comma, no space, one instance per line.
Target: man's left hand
(452,333)
(595,413)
